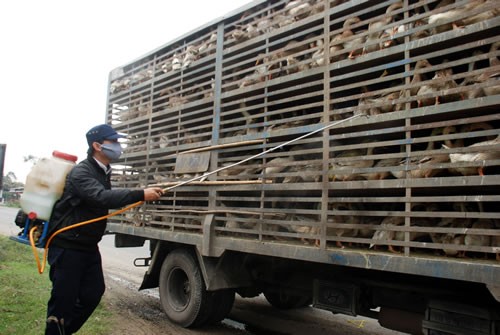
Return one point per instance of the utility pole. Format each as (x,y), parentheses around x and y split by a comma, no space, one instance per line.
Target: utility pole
(3,147)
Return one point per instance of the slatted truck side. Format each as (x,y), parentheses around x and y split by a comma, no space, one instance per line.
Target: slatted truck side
(373,184)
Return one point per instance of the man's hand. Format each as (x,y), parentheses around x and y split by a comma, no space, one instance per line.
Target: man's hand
(152,193)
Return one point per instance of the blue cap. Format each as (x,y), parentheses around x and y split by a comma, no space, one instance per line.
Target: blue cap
(102,132)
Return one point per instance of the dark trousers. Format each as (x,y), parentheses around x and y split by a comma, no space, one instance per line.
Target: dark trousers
(77,288)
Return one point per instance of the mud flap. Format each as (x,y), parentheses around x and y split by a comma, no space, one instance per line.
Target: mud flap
(336,297)
(151,277)
(444,317)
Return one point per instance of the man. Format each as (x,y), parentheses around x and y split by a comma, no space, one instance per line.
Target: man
(74,258)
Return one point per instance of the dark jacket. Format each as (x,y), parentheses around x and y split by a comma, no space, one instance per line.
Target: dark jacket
(87,195)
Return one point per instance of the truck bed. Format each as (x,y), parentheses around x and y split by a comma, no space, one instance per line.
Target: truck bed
(405,178)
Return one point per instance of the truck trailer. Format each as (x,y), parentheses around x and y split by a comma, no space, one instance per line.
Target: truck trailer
(339,154)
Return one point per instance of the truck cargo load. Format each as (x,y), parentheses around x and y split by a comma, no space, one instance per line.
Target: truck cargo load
(391,211)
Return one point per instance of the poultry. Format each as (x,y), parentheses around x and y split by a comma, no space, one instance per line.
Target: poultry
(397,33)
(298,9)
(484,15)
(451,239)
(307,173)
(398,235)
(276,165)
(283,54)
(318,56)
(307,227)
(425,165)
(458,143)
(387,235)
(418,76)
(347,39)
(336,45)
(176,63)
(190,56)
(282,20)
(441,82)
(260,73)
(479,156)
(237,221)
(173,97)
(261,67)
(381,165)
(236,170)
(342,219)
(208,46)
(375,30)
(473,92)
(294,65)
(479,240)
(492,73)
(343,162)
(141,76)
(245,32)
(380,103)
(447,20)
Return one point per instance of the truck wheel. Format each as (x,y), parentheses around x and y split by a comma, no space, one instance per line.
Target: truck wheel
(182,290)
(222,303)
(283,300)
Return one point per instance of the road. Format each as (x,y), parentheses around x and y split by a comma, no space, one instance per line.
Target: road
(139,312)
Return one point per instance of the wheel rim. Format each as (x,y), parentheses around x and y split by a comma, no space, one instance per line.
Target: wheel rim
(178,298)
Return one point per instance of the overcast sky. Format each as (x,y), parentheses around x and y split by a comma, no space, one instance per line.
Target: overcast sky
(56,56)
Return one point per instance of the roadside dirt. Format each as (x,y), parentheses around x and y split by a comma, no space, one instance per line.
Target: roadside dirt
(134,313)
(140,313)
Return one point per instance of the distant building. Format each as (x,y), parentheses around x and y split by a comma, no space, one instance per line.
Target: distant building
(16,192)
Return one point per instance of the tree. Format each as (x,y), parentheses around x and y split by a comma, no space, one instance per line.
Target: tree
(30,158)
(10,183)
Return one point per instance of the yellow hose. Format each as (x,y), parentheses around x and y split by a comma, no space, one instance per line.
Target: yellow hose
(41,267)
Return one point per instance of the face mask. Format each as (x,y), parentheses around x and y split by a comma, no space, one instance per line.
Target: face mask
(112,151)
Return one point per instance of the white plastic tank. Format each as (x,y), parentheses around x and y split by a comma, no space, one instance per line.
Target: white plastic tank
(45,184)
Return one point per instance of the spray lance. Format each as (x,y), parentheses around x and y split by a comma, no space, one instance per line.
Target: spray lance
(41,266)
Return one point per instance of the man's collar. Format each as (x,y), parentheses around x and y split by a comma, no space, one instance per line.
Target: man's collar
(107,169)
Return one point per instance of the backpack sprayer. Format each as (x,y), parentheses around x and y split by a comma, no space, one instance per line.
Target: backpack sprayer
(41,193)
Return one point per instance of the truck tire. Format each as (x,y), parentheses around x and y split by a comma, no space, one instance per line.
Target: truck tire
(183,295)
(283,300)
(222,303)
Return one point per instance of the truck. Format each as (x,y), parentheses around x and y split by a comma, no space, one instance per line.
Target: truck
(343,155)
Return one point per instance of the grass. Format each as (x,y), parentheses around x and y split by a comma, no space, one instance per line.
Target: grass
(24,294)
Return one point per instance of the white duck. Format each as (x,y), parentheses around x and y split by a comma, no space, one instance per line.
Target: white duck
(447,20)
(483,152)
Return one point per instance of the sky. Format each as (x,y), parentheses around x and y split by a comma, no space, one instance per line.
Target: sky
(56,57)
